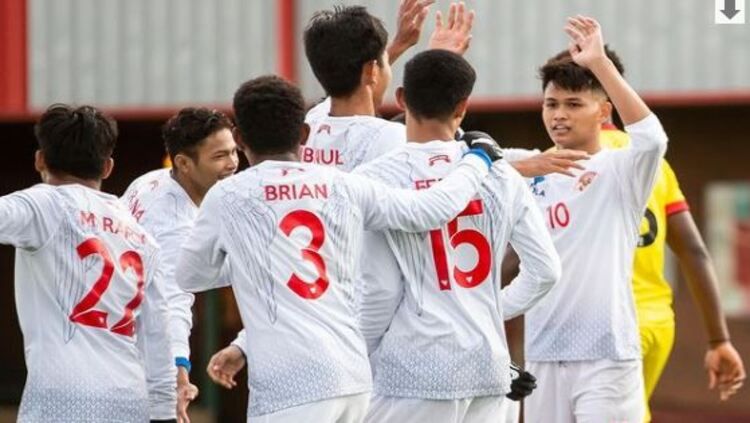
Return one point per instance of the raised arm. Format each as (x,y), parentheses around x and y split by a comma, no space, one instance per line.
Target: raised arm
(587,49)
(638,164)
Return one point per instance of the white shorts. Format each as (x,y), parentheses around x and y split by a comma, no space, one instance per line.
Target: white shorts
(478,409)
(348,409)
(599,391)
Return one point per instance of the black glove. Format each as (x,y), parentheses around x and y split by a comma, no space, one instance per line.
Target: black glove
(484,142)
(522,383)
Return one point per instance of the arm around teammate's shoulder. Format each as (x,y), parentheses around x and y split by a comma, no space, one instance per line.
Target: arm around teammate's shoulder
(408,210)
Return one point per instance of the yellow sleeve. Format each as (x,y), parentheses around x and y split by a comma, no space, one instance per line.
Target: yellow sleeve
(674,199)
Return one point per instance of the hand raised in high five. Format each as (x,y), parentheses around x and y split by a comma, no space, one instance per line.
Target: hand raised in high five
(455,35)
(411,17)
(586,42)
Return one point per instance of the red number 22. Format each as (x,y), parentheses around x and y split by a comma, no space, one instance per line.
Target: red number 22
(84,313)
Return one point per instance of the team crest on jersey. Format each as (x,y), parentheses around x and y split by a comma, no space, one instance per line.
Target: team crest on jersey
(585,180)
(289,170)
(536,189)
(439,158)
(324,128)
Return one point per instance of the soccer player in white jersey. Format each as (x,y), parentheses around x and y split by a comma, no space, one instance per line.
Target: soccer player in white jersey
(292,233)
(165,202)
(348,51)
(88,288)
(582,339)
(436,332)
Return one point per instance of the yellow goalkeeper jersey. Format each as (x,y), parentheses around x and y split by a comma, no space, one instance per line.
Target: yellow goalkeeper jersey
(653,294)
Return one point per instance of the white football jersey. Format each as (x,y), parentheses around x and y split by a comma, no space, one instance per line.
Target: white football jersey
(87,291)
(446,339)
(163,208)
(347,142)
(594,220)
(296,228)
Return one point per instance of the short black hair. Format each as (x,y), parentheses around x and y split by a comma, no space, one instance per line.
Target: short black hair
(339,42)
(435,81)
(568,75)
(270,113)
(186,130)
(76,140)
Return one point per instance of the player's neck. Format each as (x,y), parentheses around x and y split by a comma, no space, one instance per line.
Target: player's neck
(255,159)
(64,179)
(193,191)
(426,130)
(358,104)
(591,147)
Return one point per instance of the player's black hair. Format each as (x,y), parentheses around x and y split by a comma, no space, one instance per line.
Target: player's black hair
(339,42)
(185,131)
(76,140)
(270,113)
(435,81)
(566,74)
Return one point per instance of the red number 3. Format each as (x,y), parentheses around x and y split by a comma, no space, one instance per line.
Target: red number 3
(84,313)
(479,273)
(293,220)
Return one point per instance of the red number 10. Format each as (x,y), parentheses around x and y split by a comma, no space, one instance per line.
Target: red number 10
(84,312)
(479,273)
(558,215)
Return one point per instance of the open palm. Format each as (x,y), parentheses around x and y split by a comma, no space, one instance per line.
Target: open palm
(586,42)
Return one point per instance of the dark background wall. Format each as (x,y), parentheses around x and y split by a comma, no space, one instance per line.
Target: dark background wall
(707,144)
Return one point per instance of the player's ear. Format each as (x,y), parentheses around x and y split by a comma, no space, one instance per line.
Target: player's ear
(180,162)
(39,164)
(109,165)
(605,110)
(370,72)
(238,139)
(460,111)
(400,100)
(304,132)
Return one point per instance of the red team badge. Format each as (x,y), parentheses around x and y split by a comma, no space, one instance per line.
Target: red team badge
(439,158)
(585,180)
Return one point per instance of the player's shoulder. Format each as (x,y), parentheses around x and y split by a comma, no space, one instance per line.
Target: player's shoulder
(150,184)
(39,193)
(318,111)
(504,177)
(384,162)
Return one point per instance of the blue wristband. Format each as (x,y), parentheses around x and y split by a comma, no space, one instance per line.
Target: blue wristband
(482,154)
(183,362)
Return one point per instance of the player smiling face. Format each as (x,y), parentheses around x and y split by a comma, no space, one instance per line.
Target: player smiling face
(215,158)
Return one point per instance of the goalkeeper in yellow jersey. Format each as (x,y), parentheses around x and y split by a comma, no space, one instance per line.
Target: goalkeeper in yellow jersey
(668,220)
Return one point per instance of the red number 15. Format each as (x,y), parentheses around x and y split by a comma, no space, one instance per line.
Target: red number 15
(466,279)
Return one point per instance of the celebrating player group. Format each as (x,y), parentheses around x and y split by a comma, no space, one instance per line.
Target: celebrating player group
(365,255)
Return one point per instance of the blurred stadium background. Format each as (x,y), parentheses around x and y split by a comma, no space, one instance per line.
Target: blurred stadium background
(143,59)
